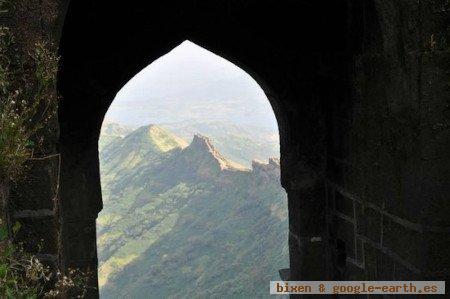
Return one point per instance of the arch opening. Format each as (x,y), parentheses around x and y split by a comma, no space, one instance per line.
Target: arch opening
(186,197)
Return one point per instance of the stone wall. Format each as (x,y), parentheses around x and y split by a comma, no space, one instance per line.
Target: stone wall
(388,164)
(32,200)
(360,90)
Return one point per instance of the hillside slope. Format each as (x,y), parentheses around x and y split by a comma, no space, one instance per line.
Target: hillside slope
(183,221)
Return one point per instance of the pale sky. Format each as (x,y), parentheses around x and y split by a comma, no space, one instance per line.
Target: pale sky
(191,83)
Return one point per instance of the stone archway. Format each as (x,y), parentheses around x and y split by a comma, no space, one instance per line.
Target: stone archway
(99,74)
(348,102)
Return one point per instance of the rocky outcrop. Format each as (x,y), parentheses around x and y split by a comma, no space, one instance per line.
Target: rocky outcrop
(202,147)
(268,171)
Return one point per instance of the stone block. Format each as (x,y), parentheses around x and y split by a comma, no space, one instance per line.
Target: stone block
(403,241)
(39,235)
(38,189)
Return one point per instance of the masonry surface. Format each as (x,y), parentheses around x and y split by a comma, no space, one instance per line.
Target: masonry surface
(361,93)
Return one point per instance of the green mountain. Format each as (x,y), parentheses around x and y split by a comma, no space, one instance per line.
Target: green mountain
(240,143)
(182,221)
(110,132)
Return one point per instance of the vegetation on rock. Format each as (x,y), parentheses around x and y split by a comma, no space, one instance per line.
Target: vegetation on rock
(28,101)
(23,275)
(28,104)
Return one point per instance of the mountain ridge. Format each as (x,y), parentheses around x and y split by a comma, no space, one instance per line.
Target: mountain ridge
(238,142)
(204,144)
(153,137)
(191,207)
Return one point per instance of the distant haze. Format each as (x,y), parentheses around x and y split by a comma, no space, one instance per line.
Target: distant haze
(191,84)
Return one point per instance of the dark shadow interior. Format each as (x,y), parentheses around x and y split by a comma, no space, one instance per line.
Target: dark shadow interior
(298,52)
(329,70)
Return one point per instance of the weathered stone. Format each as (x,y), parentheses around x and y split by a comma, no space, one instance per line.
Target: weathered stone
(360,92)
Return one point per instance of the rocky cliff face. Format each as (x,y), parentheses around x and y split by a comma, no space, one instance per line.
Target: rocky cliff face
(240,143)
(201,158)
(269,171)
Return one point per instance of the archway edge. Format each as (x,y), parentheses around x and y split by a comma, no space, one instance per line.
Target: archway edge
(103,46)
(97,42)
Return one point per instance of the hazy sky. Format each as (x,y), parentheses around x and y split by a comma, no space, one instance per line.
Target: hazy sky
(191,83)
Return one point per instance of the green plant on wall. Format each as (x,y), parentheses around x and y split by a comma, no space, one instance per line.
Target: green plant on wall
(27,85)
(28,105)
(23,275)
